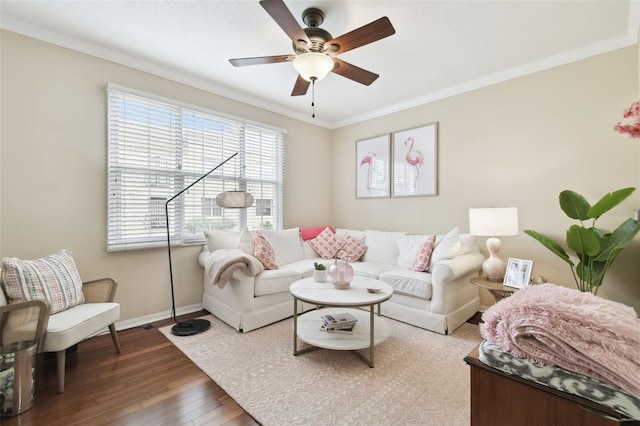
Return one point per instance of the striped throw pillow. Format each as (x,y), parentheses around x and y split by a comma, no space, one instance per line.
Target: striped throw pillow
(53,277)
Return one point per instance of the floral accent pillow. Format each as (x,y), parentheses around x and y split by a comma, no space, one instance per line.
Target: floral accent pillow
(421,261)
(355,249)
(326,244)
(263,251)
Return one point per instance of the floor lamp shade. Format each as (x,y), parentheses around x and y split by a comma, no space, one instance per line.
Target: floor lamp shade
(234,200)
(493,222)
(186,328)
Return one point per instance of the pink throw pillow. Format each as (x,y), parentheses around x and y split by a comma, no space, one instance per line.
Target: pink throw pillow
(424,254)
(326,244)
(311,233)
(354,248)
(263,251)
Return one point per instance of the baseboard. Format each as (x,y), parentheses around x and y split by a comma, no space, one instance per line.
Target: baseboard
(159,316)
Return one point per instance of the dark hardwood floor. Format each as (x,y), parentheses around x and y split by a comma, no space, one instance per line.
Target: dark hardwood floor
(149,383)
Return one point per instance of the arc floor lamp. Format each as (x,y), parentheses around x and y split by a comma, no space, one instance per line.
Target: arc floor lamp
(191,327)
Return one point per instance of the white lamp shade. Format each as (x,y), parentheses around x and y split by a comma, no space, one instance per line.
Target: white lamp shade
(493,222)
(234,200)
(313,65)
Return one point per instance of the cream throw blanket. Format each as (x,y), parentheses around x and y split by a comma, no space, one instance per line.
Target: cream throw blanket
(221,264)
(553,325)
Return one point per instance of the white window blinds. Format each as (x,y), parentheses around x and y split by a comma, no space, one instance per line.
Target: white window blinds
(157,148)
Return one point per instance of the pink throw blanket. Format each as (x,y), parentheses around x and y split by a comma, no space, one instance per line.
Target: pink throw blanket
(554,325)
(221,264)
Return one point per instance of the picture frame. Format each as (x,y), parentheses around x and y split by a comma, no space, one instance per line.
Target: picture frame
(373,165)
(415,162)
(518,273)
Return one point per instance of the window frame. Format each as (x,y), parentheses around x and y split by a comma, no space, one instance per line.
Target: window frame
(174,171)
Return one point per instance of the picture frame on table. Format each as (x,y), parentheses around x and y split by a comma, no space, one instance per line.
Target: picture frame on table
(518,273)
(373,164)
(415,162)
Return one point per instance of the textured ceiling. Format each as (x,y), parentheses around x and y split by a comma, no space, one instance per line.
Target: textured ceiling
(440,48)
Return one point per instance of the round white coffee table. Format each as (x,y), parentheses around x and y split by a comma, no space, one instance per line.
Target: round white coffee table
(370,329)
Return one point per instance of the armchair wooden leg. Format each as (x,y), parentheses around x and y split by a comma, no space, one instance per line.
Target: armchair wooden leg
(114,337)
(61,358)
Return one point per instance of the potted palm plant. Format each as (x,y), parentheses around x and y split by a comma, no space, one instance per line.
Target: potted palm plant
(595,249)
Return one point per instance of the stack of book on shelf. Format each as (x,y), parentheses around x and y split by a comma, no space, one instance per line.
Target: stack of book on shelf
(342,322)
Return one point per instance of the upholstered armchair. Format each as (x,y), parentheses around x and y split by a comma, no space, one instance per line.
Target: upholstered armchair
(56,332)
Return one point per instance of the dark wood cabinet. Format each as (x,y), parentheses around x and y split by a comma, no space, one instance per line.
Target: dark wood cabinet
(500,399)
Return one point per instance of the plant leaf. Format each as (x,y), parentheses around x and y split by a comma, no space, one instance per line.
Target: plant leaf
(574,205)
(619,239)
(550,244)
(609,201)
(583,240)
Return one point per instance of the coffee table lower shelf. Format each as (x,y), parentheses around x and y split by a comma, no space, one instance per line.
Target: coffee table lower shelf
(363,335)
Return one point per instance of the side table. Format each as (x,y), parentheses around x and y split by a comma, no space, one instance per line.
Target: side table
(498,290)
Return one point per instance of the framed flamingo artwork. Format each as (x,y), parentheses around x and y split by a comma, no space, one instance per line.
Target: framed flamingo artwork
(415,162)
(372,167)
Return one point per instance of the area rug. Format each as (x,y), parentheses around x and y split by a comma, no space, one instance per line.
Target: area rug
(419,377)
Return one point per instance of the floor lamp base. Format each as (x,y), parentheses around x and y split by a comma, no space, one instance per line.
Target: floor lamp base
(191,327)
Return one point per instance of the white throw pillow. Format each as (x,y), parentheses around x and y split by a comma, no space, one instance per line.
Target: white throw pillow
(286,244)
(246,242)
(467,242)
(446,247)
(382,247)
(408,247)
(217,239)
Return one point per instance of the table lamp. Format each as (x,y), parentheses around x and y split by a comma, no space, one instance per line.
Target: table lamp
(492,223)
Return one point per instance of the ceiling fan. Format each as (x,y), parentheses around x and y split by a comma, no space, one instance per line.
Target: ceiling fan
(315,49)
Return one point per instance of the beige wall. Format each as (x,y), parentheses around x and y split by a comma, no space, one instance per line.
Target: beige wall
(518,143)
(53,170)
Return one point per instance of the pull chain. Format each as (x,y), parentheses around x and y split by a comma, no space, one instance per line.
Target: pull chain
(313,97)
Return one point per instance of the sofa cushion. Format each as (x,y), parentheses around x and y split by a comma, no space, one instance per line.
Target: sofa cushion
(447,247)
(382,246)
(274,281)
(263,251)
(370,269)
(423,256)
(311,233)
(286,244)
(217,239)
(412,283)
(408,247)
(53,277)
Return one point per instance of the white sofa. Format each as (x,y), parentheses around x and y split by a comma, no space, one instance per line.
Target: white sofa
(439,299)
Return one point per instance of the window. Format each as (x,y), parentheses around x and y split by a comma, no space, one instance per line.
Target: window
(158,147)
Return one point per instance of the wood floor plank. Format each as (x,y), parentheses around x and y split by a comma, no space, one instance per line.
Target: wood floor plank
(151,382)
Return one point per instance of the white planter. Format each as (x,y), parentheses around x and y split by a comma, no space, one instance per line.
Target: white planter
(320,276)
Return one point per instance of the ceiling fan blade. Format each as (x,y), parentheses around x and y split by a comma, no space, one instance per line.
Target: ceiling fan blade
(366,34)
(301,87)
(353,72)
(283,17)
(260,60)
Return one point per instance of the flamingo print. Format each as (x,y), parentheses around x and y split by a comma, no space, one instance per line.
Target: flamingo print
(416,160)
(368,160)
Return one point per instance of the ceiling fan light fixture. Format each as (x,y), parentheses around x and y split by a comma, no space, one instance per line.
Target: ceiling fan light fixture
(313,66)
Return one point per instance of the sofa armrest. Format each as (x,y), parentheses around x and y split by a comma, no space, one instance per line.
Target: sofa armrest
(25,321)
(100,290)
(451,286)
